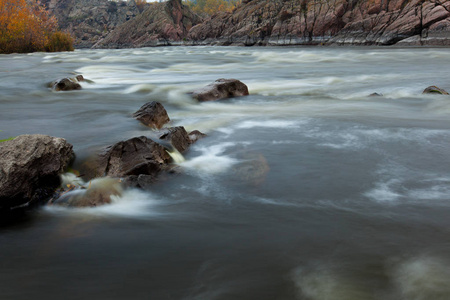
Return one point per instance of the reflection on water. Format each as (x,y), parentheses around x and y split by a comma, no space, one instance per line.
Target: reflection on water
(306,189)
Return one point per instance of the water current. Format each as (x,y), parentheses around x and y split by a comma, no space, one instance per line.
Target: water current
(306,189)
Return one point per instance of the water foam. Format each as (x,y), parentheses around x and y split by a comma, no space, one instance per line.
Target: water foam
(211,160)
(423,278)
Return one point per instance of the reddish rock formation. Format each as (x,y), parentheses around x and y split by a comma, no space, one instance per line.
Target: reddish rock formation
(161,24)
(294,22)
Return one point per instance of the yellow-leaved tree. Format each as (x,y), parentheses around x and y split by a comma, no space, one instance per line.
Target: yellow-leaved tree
(25,26)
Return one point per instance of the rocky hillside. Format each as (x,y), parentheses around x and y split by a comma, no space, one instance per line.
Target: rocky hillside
(166,23)
(88,21)
(300,22)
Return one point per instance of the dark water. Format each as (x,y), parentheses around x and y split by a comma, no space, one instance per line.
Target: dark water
(307,189)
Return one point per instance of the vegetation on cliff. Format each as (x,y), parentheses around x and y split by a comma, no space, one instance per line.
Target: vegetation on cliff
(25,26)
(210,7)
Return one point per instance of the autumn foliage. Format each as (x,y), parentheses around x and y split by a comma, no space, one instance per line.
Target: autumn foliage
(25,26)
(210,7)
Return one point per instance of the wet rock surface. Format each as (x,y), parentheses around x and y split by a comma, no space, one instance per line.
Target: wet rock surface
(221,89)
(177,137)
(30,166)
(434,90)
(136,156)
(152,114)
(67,84)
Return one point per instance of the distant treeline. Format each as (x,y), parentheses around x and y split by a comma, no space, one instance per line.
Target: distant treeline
(210,7)
(25,26)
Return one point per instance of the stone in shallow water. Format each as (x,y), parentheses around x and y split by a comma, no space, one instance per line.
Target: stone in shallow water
(434,90)
(221,89)
(152,114)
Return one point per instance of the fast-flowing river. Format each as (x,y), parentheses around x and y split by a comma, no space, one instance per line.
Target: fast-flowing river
(306,189)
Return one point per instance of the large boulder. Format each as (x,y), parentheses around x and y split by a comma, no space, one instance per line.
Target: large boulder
(136,156)
(221,89)
(152,114)
(30,166)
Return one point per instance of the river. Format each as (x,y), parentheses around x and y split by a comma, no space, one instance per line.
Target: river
(306,189)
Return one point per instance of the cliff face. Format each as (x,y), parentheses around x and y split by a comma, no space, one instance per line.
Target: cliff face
(165,23)
(300,22)
(88,21)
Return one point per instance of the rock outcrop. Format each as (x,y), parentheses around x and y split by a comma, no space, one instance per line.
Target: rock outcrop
(30,166)
(221,89)
(88,21)
(161,24)
(152,114)
(312,22)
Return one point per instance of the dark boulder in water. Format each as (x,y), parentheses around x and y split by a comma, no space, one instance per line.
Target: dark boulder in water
(221,89)
(136,156)
(434,90)
(30,166)
(152,114)
(67,84)
(177,137)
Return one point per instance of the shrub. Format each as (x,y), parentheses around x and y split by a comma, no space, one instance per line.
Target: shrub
(59,41)
(25,26)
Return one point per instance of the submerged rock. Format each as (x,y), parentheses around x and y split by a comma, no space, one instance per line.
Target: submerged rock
(196,135)
(95,193)
(67,84)
(434,90)
(376,95)
(30,166)
(152,114)
(221,89)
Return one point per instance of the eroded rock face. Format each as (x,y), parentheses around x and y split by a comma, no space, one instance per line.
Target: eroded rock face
(291,22)
(434,90)
(152,114)
(221,89)
(88,21)
(161,24)
(30,166)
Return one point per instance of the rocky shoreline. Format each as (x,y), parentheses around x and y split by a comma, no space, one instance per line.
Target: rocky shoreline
(257,22)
